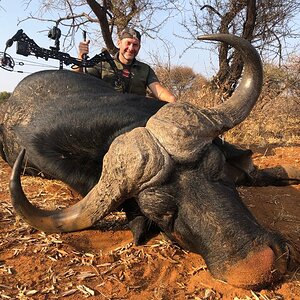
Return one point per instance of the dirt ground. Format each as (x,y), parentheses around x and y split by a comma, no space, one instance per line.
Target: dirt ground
(102,263)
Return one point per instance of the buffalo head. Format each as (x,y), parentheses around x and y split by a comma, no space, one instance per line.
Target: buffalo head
(179,180)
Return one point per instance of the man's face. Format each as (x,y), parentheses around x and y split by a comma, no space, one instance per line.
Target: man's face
(129,48)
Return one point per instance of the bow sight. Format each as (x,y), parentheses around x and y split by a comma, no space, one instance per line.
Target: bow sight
(27,46)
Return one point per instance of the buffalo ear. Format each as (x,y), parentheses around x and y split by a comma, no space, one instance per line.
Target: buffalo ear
(160,207)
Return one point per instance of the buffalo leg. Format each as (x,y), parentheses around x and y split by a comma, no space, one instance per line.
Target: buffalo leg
(276,176)
(142,228)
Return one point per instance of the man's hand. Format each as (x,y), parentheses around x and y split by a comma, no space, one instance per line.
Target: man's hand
(83,49)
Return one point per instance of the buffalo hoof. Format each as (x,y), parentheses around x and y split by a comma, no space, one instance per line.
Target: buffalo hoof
(258,270)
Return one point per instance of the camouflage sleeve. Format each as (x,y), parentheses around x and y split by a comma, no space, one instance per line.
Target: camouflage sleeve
(95,71)
(152,77)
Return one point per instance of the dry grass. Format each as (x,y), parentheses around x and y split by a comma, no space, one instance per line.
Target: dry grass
(260,131)
(273,121)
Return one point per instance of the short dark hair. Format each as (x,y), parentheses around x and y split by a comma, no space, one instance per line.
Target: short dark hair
(129,33)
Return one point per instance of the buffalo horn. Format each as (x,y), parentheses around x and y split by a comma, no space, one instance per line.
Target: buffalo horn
(240,104)
(134,161)
(184,129)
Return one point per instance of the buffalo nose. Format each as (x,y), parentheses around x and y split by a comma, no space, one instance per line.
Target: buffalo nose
(257,270)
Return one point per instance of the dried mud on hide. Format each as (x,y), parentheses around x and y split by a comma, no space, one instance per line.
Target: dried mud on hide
(102,263)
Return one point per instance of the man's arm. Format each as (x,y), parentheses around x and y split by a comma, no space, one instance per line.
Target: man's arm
(161,92)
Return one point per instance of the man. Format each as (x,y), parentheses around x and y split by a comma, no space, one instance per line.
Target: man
(128,74)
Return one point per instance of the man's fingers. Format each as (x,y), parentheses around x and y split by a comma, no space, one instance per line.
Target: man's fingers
(84,47)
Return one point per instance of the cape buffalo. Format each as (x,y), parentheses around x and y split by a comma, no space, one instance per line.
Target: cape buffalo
(162,162)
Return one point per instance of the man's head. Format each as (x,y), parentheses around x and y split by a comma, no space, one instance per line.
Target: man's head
(129,44)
